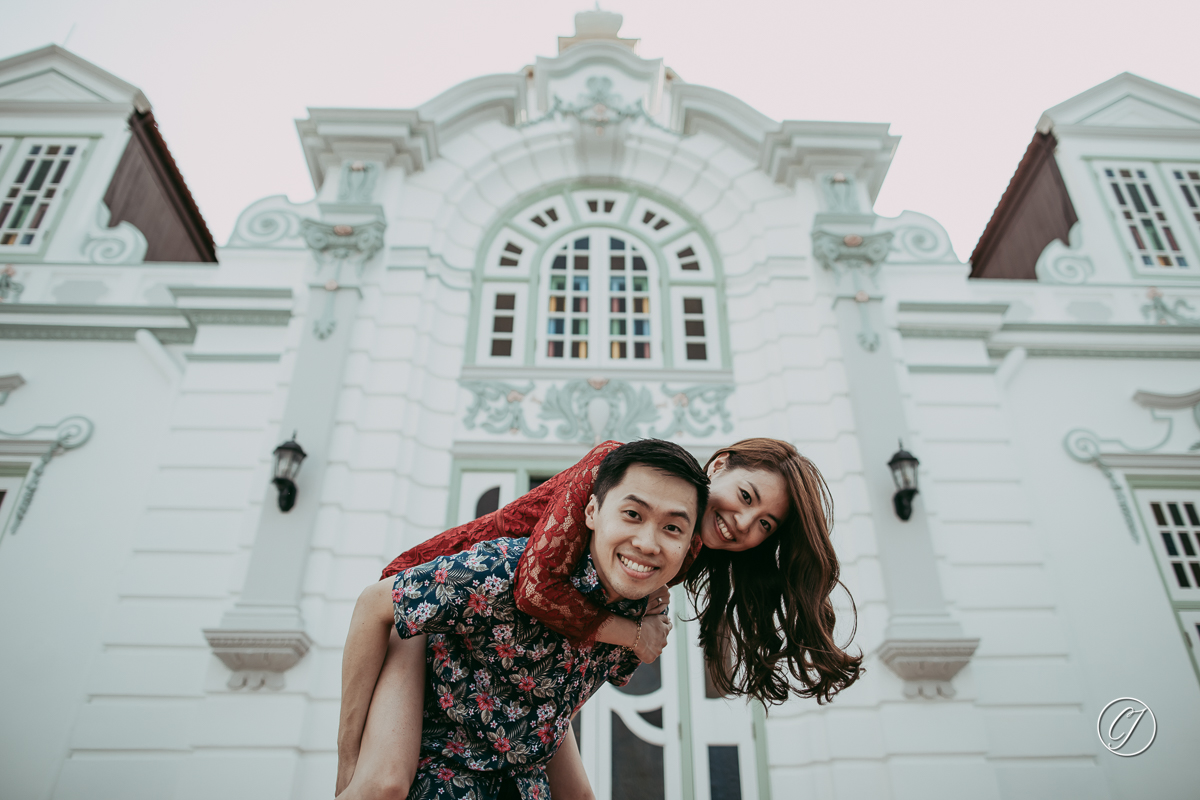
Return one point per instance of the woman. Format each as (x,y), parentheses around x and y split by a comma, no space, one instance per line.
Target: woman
(760,574)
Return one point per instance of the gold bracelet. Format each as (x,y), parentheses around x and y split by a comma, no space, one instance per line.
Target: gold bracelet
(637,638)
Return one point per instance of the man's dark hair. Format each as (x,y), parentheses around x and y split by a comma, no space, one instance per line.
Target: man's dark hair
(666,457)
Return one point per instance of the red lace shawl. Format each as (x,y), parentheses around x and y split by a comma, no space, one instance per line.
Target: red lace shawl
(551,515)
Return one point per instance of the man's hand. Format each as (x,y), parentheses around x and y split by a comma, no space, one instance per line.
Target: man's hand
(655,628)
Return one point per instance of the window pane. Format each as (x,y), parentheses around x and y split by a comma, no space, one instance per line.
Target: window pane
(693,305)
(616,327)
(697,352)
(502,325)
(693,327)
(616,284)
(506,301)
(502,347)
(637,766)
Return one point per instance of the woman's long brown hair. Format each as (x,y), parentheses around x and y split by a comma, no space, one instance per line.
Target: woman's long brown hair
(768,607)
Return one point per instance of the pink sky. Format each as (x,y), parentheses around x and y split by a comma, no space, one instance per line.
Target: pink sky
(963,83)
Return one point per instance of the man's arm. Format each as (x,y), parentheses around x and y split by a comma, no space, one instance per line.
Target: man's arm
(362,659)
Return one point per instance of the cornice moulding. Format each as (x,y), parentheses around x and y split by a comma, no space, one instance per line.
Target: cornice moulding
(1171,461)
(398,137)
(1154,399)
(448,109)
(695,108)
(673,376)
(800,149)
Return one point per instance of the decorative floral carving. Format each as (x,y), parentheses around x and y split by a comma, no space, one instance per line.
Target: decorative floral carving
(696,409)
(336,246)
(598,408)
(8,286)
(591,413)
(1163,314)
(855,260)
(598,108)
(121,244)
(500,404)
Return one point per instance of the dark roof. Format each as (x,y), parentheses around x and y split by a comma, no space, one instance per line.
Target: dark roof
(149,191)
(1034,210)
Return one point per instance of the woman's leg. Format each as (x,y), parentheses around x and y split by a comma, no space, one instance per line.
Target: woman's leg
(391,740)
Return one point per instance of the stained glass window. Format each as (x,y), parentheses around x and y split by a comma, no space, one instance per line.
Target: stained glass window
(599,300)
(1143,216)
(1186,182)
(34,186)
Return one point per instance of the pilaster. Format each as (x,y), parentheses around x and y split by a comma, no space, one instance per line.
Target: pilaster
(264,634)
(923,644)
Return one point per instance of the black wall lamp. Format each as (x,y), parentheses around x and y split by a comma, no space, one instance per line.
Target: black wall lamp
(287,463)
(904,473)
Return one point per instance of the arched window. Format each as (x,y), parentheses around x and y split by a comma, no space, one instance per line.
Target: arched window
(595,278)
(599,301)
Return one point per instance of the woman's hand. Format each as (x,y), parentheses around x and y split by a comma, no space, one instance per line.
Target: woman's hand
(655,628)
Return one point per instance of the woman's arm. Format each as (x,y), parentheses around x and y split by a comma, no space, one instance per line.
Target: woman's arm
(556,543)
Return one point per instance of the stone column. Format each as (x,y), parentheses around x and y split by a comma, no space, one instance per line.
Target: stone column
(264,635)
(923,644)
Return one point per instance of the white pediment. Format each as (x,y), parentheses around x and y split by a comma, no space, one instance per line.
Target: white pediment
(48,86)
(54,75)
(1134,112)
(1126,102)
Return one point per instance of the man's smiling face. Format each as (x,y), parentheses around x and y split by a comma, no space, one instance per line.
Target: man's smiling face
(641,532)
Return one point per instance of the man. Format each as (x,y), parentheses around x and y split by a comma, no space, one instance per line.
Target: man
(501,687)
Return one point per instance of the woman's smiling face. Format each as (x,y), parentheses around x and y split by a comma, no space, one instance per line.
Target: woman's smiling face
(744,506)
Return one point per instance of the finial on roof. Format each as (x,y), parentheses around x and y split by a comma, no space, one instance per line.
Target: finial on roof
(596,24)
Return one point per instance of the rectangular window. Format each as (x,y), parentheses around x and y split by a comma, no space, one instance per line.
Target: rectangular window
(501,330)
(1185,179)
(1172,517)
(1134,194)
(33,188)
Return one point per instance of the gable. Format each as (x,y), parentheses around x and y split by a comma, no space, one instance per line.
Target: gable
(48,85)
(53,75)
(1135,112)
(1128,102)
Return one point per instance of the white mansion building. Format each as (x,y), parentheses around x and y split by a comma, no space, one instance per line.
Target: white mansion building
(593,248)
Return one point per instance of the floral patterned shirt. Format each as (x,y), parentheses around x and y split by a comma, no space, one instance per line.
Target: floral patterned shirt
(501,687)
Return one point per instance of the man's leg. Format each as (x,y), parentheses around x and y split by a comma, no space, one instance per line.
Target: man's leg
(391,742)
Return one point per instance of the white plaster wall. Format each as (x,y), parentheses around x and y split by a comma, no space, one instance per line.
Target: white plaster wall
(1121,635)
(61,573)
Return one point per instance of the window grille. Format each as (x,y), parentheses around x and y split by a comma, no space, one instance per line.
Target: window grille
(599,296)
(1144,216)
(1179,539)
(501,323)
(1172,519)
(1186,181)
(33,189)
